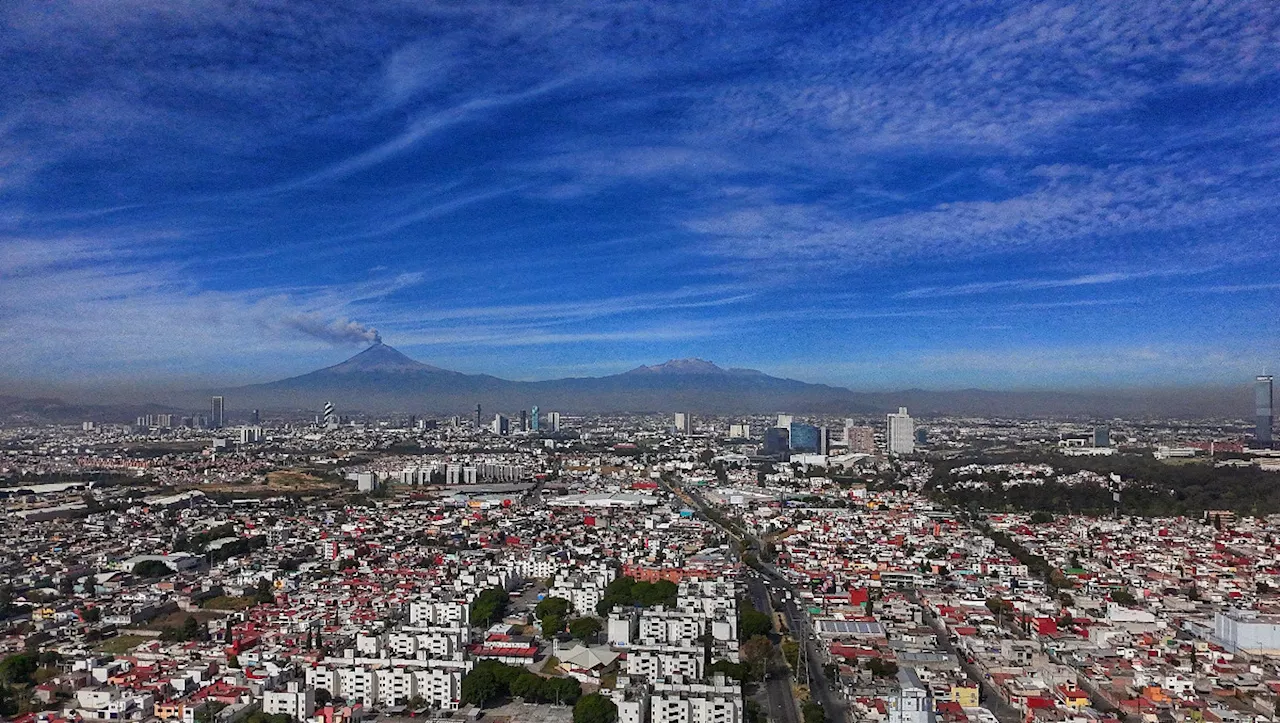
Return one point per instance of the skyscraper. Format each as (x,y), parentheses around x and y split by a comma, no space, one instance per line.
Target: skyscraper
(533,418)
(785,420)
(553,421)
(860,440)
(740,431)
(330,419)
(501,425)
(479,424)
(777,441)
(216,416)
(900,434)
(1262,403)
(805,438)
(524,421)
(255,418)
(1102,436)
(684,423)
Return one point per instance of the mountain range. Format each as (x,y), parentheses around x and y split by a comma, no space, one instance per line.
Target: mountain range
(382,379)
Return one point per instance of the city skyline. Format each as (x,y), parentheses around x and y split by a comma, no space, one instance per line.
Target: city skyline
(1045,196)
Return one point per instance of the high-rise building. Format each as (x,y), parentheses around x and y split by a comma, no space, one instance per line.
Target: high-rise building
(900,433)
(739,431)
(805,438)
(824,440)
(216,414)
(533,418)
(255,418)
(524,421)
(858,439)
(684,423)
(1262,402)
(922,436)
(1102,436)
(479,424)
(777,440)
(785,420)
(553,421)
(501,425)
(330,419)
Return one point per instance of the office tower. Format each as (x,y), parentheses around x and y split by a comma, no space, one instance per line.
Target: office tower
(922,435)
(858,439)
(1262,402)
(1102,436)
(533,418)
(524,421)
(501,425)
(254,418)
(684,423)
(900,434)
(824,440)
(478,423)
(553,421)
(251,434)
(804,438)
(330,419)
(777,440)
(216,414)
(739,431)
(784,421)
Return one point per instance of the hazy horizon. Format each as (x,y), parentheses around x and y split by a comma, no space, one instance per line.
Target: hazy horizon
(1051,195)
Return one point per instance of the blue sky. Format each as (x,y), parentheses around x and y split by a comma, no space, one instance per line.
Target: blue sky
(879,195)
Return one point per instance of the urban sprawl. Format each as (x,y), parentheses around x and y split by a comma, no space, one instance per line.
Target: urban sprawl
(538,566)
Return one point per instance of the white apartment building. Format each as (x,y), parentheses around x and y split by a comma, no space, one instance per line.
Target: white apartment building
(296,701)
(424,613)
(676,701)
(900,434)
(655,662)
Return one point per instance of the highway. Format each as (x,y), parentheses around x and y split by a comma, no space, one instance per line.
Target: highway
(768,577)
(781,706)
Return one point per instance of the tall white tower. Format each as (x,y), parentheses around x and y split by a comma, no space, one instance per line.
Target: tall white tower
(900,434)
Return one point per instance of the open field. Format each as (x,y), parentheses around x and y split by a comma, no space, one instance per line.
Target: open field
(121,644)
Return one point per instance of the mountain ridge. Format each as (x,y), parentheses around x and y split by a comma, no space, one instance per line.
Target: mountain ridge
(382,379)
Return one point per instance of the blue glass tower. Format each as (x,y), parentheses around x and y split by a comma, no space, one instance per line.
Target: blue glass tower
(805,438)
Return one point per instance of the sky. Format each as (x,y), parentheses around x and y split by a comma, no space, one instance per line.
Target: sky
(880,195)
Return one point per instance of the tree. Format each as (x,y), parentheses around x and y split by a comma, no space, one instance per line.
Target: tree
(561,691)
(18,668)
(151,568)
(527,686)
(192,629)
(585,628)
(552,625)
(1041,517)
(752,622)
(1122,596)
(734,671)
(756,652)
(265,593)
(479,687)
(552,606)
(490,605)
(813,713)
(595,708)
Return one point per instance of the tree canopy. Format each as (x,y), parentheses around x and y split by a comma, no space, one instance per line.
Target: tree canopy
(595,708)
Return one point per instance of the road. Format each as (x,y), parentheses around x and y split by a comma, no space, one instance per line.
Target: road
(781,704)
(820,689)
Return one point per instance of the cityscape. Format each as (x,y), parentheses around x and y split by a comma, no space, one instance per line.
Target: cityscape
(638,362)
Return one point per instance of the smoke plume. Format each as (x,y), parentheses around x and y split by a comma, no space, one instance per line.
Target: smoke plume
(337,331)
